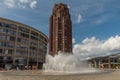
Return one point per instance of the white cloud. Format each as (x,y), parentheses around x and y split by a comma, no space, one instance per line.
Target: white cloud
(33,4)
(68,6)
(24,1)
(73,40)
(79,18)
(20,3)
(9,3)
(92,47)
(21,6)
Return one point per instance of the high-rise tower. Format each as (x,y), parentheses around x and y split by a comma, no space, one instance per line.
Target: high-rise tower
(60,30)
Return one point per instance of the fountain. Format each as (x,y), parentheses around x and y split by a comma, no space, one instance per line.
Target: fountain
(66,64)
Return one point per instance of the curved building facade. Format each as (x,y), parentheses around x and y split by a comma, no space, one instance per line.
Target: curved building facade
(21,45)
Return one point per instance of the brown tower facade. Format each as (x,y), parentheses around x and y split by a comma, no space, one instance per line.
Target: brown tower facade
(60,30)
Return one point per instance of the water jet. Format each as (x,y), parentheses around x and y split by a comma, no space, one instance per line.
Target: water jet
(63,63)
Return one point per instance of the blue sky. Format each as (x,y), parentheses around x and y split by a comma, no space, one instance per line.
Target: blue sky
(90,18)
(98,18)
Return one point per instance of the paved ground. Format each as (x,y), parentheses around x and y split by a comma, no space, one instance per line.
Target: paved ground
(38,75)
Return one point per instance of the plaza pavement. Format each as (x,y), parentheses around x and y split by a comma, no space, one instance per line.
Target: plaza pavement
(38,75)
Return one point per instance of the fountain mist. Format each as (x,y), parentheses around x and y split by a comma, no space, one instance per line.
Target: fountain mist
(69,63)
